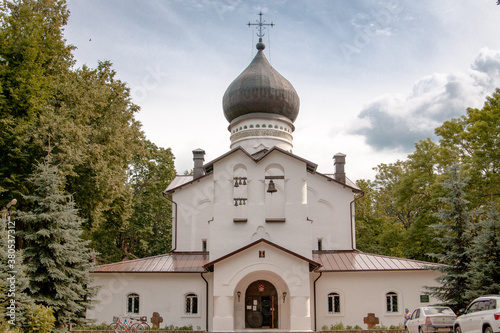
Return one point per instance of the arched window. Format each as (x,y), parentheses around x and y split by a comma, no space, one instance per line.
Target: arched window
(240,193)
(333,303)
(392,302)
(133,303)
(275,193)
(191,304)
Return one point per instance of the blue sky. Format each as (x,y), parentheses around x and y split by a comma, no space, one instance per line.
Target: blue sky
(374,77)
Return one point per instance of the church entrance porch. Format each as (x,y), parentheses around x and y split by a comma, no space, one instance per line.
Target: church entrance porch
(261,305)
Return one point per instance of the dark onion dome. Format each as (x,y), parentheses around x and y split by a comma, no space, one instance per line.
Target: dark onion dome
(260,89)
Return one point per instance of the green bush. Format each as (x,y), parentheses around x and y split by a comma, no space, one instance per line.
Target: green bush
(41,319)
(377,327)
(7,328)
(357,327)
(181,328)
(337,327)
(396,327)
(102,326)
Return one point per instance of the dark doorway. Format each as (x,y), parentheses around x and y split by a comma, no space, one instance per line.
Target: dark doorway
(261,306)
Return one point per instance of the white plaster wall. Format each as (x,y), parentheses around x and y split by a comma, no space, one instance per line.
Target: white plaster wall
(365,292)
(194,211)
(162,293)
(286,272)
(328,210)
(227,236)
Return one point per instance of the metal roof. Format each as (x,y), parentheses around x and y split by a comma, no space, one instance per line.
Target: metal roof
(354,260)
(322,261)
(260,89)
(174,262)
(178,181)
(348,182)
(312,264)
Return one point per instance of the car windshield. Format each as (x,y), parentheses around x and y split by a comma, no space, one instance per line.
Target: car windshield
(443,311)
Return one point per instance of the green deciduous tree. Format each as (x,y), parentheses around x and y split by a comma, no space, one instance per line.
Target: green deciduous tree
(150,222)
(85,115)
(147,230)
(58,261)
(375,232)
(94,137)
(33,55)
(406,193)
(475,137)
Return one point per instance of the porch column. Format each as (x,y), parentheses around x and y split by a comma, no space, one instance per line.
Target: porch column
(300,313)
(223,320)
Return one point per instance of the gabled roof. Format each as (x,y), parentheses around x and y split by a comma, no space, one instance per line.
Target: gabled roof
(257,157)
(173,262)
(180,181)
(312,264)
(354,261)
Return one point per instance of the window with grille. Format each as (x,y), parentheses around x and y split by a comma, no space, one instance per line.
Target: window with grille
(133,303)
(333,303)
(191,304)
(392,302)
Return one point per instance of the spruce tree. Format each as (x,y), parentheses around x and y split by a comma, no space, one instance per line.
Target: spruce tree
(484,270)
(57,260)
(455,237)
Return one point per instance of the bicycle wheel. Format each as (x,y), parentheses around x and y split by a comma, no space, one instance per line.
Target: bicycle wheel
(115,328)
(141,327)
(137,327)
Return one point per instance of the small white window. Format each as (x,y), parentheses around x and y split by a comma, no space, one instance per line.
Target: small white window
(191,304)
(133,303)
(392,302)
(333,303)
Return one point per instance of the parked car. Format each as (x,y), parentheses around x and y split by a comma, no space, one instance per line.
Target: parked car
(481,316)
(431,319)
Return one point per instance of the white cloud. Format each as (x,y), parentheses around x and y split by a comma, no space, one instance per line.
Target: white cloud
(397,122)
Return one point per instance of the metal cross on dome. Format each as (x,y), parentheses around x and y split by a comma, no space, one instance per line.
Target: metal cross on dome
(260,25)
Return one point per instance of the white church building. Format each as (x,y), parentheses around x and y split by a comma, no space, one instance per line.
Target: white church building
(261,239)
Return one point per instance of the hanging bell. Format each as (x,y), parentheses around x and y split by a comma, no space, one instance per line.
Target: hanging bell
(236,183)
(235,203)
(244,181)
(272,188)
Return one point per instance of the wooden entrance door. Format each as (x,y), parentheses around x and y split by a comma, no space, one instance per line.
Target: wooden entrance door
(261,305)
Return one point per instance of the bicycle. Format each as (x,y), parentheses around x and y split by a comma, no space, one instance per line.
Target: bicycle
(130,324)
